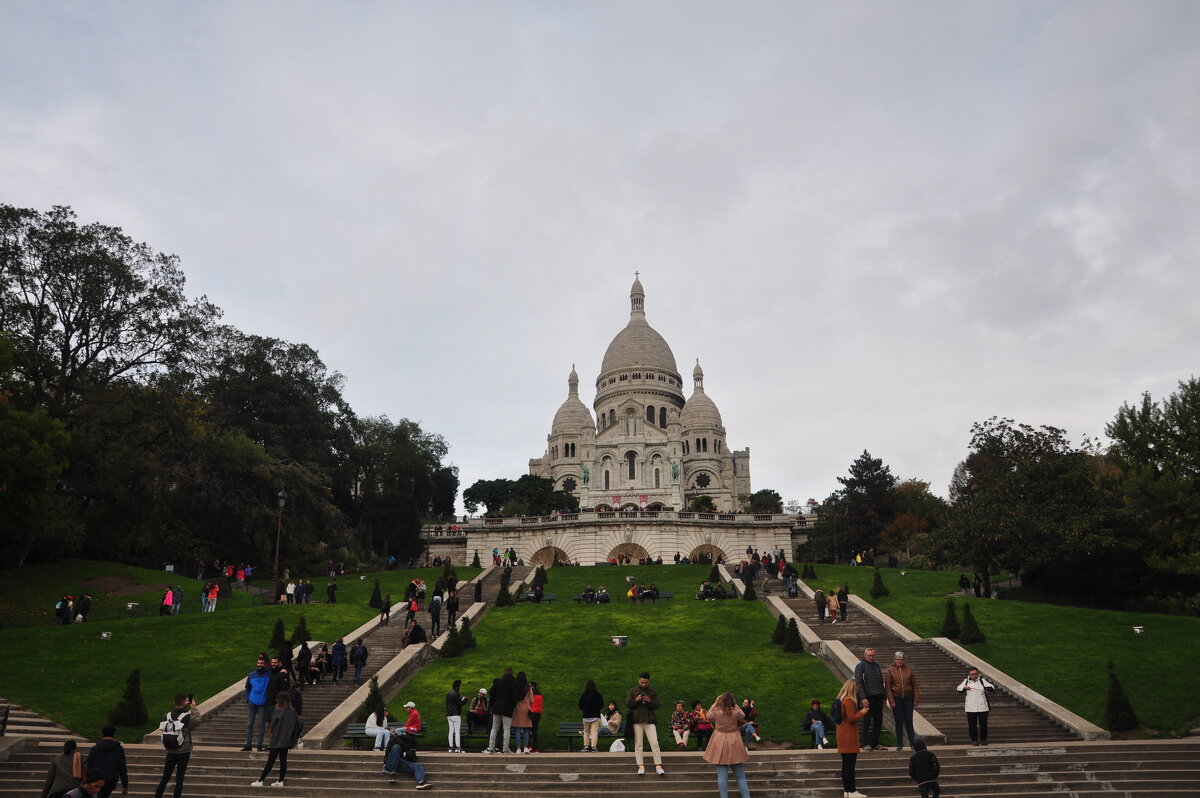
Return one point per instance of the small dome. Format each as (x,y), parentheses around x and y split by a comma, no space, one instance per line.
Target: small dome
(697,372)
(572,415)
(700,411)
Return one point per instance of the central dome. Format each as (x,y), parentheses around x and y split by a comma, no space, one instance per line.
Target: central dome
(638,346)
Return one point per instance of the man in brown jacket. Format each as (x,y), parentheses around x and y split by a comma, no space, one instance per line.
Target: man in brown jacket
(903,696)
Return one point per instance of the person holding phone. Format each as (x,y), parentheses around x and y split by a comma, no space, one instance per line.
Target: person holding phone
(975,689)
(179,747)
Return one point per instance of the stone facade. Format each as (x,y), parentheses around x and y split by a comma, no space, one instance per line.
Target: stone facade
(646,447)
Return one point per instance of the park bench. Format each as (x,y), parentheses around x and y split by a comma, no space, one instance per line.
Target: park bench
(573,730)
(357,732)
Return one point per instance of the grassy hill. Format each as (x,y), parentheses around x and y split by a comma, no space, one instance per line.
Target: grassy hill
(1062,652)
(692,649)
(69,674)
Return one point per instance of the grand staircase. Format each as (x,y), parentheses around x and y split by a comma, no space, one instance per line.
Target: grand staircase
(1139,769)
(938,674)
(227,726)
(25,722)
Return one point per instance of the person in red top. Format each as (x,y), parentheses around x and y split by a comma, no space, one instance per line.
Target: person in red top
(847,734)
(413,724)
(535,715)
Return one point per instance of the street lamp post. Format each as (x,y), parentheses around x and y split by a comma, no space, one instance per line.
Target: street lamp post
(278,539)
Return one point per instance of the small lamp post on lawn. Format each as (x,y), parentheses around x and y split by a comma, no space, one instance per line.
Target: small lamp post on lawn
(278,538)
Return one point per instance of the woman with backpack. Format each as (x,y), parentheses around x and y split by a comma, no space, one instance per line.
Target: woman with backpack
(283,736)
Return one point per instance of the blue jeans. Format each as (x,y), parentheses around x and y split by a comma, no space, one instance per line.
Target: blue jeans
(739,773)
(748,732)
(398,764)
(358,675)
(253,711)
(903,715)
(818,731)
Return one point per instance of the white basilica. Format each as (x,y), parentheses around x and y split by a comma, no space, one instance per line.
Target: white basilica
(647,447)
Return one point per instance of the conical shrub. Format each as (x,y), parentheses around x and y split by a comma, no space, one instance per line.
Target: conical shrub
(376,600)
(950,625)
(300,634)
(779,636)
(504,597)
(812,572)
(277,636)
(467,636)
(714,574)
(878,588)
(475,560)
(452,647)
(748,594)
(971,632)
(1118,712)
(373,703)
(131,709)
(792,643)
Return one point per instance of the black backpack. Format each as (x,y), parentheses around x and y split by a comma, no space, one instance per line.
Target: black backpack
(835,711)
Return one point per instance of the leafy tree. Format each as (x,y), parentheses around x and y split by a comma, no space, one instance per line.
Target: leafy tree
(539,577)
(780,634)
(852,519)
(87,306)
(878,588)
(917,511)
(762,501)
(950,625)
(970,627)
(373,703)
(703,504)
(301,634)
(376,599)
(1156,451)
(131,709)
(1118,711)
(792,643)
(527,495)
(277,638)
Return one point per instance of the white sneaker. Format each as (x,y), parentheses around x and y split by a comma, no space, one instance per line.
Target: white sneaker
(256,783)
(277,784)
(658,769)
(821,744)
(855,794)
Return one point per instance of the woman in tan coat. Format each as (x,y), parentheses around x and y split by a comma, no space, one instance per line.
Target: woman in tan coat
(847,735)
(725,747)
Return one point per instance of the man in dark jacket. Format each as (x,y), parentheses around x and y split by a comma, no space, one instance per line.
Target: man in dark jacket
(642,700)
(504,701)
(402,756)
(107,757)
(186,713)
(279,681)
(871,687)
(924,768)
(415,634)
(820,602)
(256,703)
(358,658)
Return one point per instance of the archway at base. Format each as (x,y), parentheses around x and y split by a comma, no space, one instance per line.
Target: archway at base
(634,551)
(700,551)
(548,556)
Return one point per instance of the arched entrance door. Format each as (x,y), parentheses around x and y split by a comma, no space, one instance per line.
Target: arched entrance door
(631,550)
(701,553)
(548,556)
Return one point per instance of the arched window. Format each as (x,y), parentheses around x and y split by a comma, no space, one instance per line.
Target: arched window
(606,485)
(650,413)
(717,445)
(662,417)
(698,449)
(704,443)
(572,454)
(612,418)
(631,459)
(657,478)
(685,447)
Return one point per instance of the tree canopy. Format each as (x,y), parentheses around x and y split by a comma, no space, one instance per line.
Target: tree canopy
(527,495)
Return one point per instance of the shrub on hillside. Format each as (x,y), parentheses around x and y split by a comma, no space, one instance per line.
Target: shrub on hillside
(277,638)
(792,643)
(748,594)
(475,560)
(950,626)
(504,597)
(878,588)
(376,600)
(467,636)
(539,577)
(971,632)
(300,634)
(1118,712)
(780,634)
(453,646)
(449,576)
(373,703)
(714,574)
(131,709)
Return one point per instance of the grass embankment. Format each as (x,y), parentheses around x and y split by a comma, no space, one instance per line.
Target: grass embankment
(1061,652)
(69,674)
(692,649)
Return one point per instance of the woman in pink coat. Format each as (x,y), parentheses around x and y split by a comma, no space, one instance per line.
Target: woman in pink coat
(725,747)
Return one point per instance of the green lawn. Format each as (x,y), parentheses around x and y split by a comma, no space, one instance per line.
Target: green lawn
(1062,652)
(692,649)
(69,674)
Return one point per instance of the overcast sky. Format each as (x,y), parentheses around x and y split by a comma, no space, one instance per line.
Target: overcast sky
(874,223)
